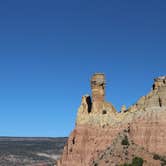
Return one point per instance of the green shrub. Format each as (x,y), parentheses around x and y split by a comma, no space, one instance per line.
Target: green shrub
(127,164)
(125,141)
(137,161)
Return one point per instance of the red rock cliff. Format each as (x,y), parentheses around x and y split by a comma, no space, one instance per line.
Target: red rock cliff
(98,123)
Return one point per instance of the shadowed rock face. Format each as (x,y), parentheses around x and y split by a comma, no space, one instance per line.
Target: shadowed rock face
(98,124)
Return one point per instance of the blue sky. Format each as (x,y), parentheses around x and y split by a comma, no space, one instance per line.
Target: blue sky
(50,49)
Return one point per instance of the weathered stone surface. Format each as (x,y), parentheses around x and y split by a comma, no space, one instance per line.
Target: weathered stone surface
(86,143)
(98,123)
(123,150)
(98,111)
(123,108)
(98,87)
(159,82)
(156,98)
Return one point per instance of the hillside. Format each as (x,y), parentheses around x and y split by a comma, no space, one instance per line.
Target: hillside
(124,152)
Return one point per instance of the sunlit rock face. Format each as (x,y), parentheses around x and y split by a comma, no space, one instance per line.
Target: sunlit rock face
(98,123)
(98,87)
(155,99)
(98,111)
(159,82)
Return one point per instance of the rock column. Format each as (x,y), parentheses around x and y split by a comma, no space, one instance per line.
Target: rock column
(98,92)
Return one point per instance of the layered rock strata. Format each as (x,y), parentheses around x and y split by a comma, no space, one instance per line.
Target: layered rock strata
(98,123)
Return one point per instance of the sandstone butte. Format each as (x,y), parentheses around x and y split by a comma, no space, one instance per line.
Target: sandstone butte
(98,124)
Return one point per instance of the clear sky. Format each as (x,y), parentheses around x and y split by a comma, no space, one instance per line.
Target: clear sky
(50,49)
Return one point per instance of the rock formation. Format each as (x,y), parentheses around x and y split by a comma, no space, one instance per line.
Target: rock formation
(98,111)
(123,108)
(124,150)
(98,124)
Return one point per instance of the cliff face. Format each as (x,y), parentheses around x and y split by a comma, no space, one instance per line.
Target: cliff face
(124,150)
(98,124)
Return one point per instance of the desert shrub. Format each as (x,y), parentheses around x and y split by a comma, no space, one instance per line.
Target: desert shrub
(161,158)
(125,141)
(137,161)
(156,157)
(127,165)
